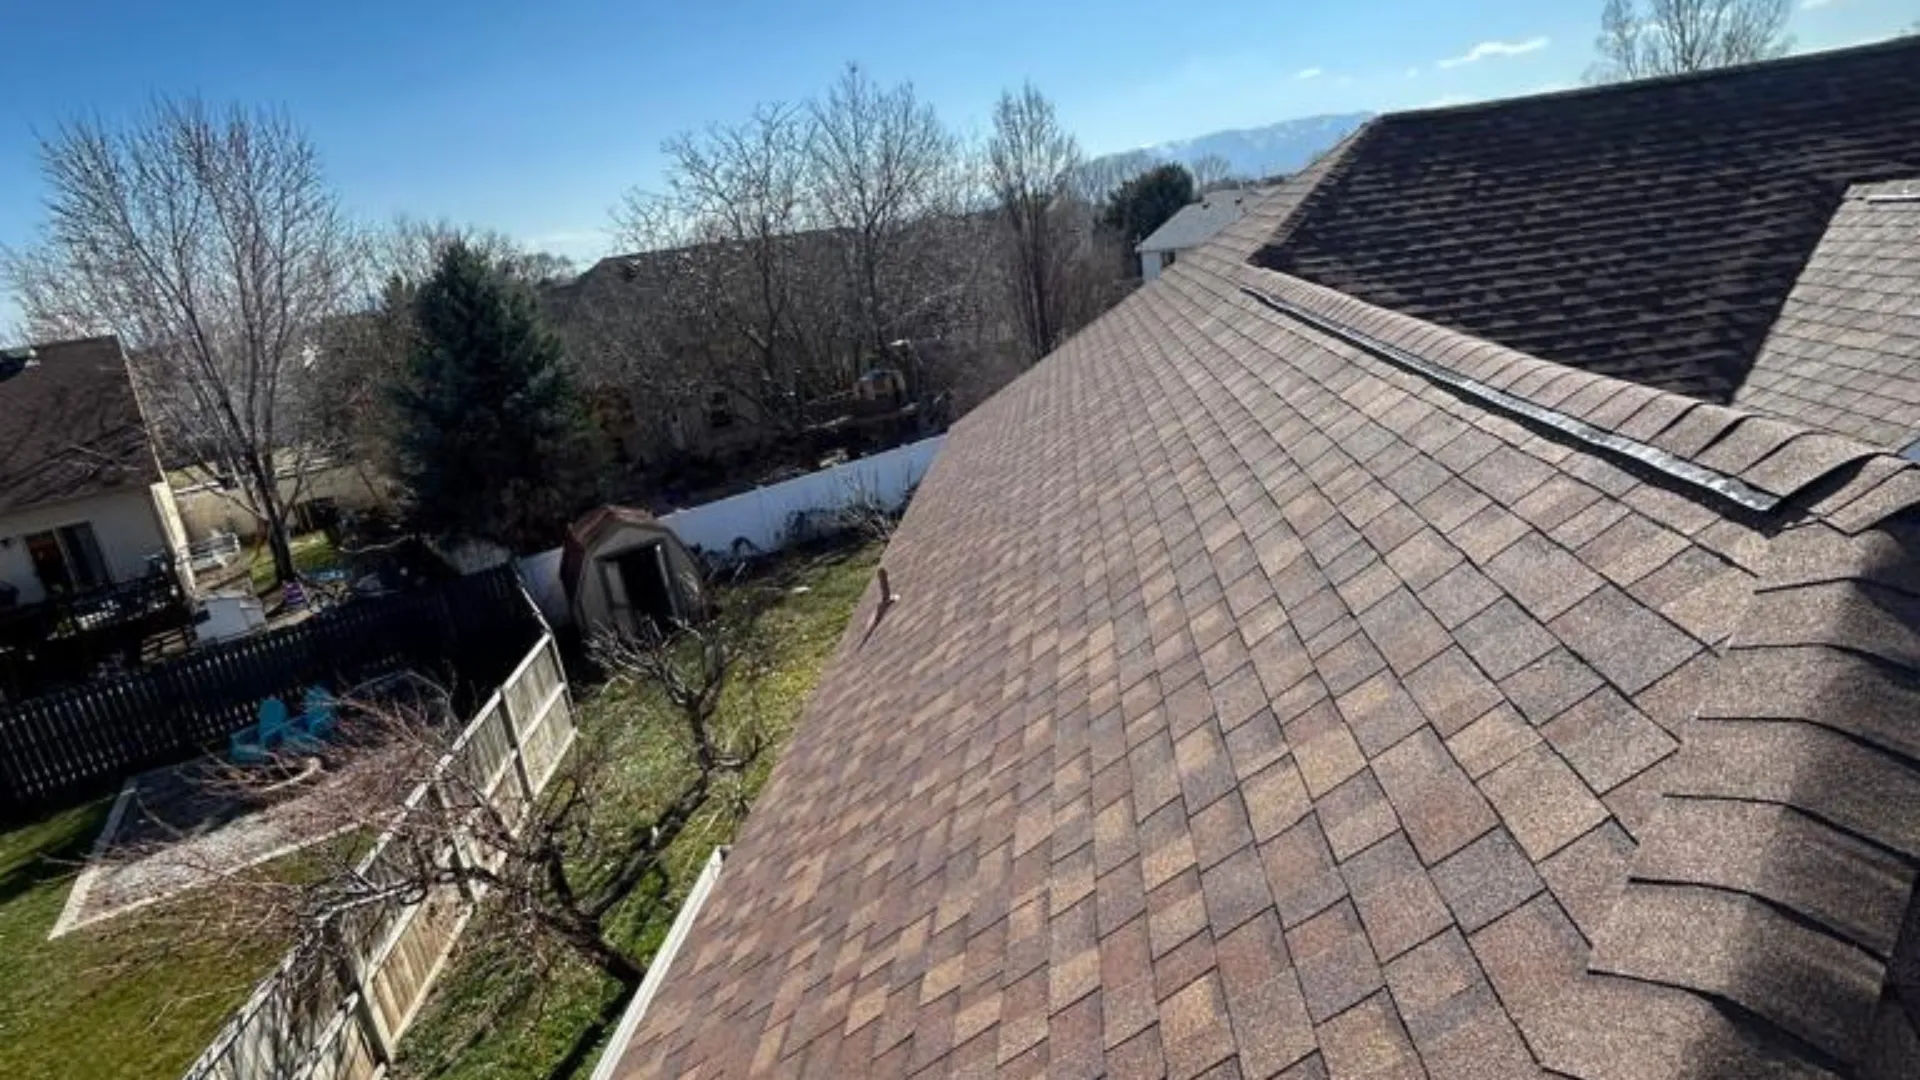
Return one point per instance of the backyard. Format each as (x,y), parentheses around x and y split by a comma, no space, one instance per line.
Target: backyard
(157,998)
(128,1000)
(488,1020)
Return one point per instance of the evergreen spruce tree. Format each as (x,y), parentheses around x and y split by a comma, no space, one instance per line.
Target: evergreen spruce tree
(495,443)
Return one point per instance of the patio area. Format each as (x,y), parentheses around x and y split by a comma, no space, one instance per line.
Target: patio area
(180,827)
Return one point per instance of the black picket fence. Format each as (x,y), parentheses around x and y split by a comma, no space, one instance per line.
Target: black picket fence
(57,747)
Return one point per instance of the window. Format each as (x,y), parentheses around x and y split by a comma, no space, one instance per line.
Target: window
(1166,258)
(68,559)
(719,410)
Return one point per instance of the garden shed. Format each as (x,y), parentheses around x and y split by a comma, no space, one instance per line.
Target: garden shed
(622,568)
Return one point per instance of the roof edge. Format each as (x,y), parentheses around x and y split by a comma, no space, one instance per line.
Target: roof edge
(1893,44)
(1318,179)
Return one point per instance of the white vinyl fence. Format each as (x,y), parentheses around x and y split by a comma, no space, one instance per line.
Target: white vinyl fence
(768,518)
(764,519)
(348,1032)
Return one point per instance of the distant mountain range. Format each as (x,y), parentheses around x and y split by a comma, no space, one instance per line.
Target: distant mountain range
(1250,153)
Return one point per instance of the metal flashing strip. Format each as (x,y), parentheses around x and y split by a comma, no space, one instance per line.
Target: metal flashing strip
(1731,488)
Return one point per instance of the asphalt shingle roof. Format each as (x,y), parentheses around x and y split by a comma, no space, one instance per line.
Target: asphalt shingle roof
(71,427)
(1649,230)
(1845,352)
(1268,698)
(1198,222)
(1255,706)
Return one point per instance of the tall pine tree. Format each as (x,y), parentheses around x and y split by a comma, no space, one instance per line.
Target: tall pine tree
(495,443)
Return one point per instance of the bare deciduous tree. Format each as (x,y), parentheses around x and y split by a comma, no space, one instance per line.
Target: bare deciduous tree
(410,248)
(209,241)
(735,219)
(1673,37)
(1210,171)
(1032,161)
(554,873)
(1095,181)
(881,163)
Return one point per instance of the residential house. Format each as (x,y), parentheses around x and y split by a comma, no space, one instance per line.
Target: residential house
(673,375)
(1463,621)
(83,503)
(1192,225)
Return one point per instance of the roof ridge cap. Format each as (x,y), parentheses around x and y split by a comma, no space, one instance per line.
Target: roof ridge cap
(1338,159)
(1893,44)
(1782,458)
(1800,740)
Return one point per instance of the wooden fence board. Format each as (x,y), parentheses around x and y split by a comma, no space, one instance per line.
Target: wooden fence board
(400,949)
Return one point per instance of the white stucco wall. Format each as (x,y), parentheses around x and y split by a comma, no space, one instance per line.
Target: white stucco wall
(125,523)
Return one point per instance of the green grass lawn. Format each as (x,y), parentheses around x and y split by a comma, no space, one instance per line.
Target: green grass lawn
(312,552)
(489,1018)
(124,1000)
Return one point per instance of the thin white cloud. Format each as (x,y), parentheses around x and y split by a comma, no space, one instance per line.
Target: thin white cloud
(1488,49)
(1413,73)
(1815,5)
(1310,73)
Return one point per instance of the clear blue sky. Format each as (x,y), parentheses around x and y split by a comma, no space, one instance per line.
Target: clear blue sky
(533,118)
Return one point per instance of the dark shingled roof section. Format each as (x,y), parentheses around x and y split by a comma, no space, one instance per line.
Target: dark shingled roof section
(71,427)
(1845,352)
(1648,230)
(1254,707)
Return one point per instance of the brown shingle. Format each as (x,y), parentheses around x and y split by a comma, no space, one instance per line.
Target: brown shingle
(1334,961)
(1630,645)
(1503,638)
(1355,814)
(1607,740)
(1497,737)
(1369,1040)
(1542,801)
(1395,899)
(1300,871)
(1436,802)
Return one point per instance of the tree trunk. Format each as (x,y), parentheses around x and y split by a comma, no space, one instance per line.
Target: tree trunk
(273,516)
(584,934)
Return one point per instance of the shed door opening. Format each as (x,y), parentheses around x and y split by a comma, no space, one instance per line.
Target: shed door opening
(643,577)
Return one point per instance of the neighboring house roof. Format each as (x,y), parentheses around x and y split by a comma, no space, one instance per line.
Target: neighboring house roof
(1845,352)
(1198,222)
(1281,685)
(1650,230)
(70,426)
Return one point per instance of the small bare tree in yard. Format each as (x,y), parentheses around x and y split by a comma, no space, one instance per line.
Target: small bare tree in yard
(1031,163)
(554,875)
(1673,37)
(209,242)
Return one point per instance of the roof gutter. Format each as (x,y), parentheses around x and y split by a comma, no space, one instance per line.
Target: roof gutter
(657,971)
(1671,465)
